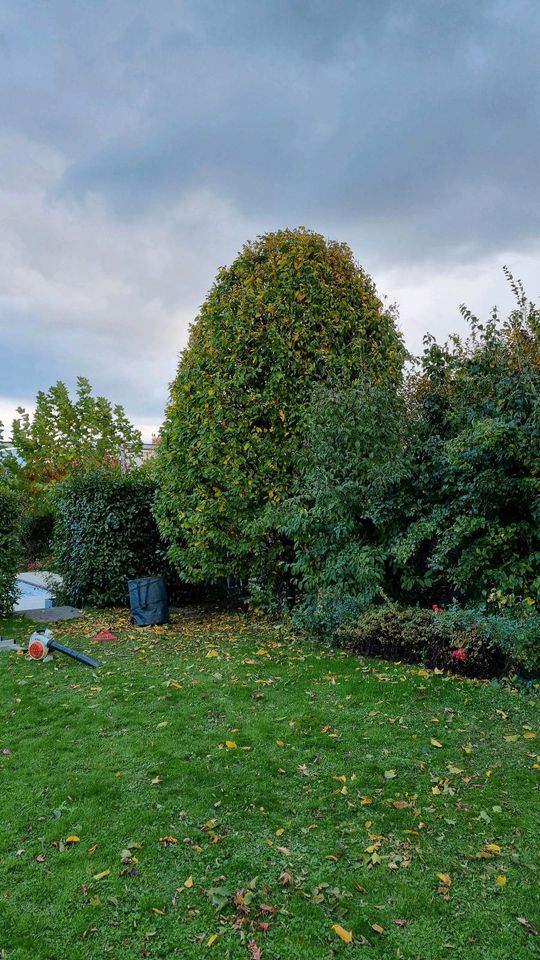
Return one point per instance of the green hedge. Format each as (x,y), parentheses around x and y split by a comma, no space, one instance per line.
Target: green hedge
(10,549)
(466,640)
(105,533)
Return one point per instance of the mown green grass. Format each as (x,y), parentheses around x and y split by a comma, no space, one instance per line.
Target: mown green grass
(135,752)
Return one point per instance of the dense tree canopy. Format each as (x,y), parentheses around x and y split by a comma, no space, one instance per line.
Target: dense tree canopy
(64,435)
(293,311)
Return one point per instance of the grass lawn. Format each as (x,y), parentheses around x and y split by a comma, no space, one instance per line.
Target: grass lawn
(238,794)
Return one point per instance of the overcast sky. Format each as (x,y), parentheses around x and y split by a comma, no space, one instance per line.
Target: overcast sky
(142,143)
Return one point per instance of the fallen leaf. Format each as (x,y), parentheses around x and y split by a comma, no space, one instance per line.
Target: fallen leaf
(343,934)
(390,774)
(40,858)
(435,743)
(230,744)
(188,883)
(445,878)
(102,875)
(72,839)
(501,880)
(400,923)
(377,928)
(167,841)
(211,940)
(255,952)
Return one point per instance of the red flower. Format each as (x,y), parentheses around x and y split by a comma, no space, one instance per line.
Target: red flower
(459,654)
(437,608)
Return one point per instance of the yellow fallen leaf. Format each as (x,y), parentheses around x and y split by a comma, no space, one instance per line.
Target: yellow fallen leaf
(493,847)
(445,878)
(280,743)
(156,780)
(73,839)
(501,880)
(261,653)
(230,744)
(160,913)
(377,928)
(343,934)
(435,743)
(188,883)
(512,738)
(102,875)
(211,940)
(91,850)
(529,735)
(212,653)
(280,832)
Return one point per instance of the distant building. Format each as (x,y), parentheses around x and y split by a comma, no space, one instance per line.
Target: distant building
(149,450)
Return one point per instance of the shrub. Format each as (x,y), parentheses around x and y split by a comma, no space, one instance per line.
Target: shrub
(291,312)
(348,467)
(470,529)
(105,532)
(10,549)
(468,641)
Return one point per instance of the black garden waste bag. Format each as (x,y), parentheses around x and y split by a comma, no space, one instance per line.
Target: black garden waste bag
(148,601)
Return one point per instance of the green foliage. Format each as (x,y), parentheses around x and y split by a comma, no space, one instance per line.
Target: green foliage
(418,635)
(66,435)
(506,642)
(292,312)
(348,466)
(10,548)
(514,633)
(471,523)
(105,533)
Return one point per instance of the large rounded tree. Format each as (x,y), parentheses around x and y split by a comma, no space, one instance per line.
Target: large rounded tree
(293,311)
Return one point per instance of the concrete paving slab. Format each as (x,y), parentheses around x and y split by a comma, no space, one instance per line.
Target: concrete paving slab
(50,614)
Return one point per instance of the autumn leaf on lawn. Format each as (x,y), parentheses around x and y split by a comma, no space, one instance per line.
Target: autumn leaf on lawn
(156,780)
(102,875)
(390,774)
(445,878)
(343,934)
(230,744)
(167,841)
(211,940)
(501,880)
(72,839)
(255,952)
(188,883)
(212,653)
(377,928)
(435,743)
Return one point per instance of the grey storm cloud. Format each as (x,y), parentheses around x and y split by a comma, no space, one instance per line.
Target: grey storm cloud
(141,144)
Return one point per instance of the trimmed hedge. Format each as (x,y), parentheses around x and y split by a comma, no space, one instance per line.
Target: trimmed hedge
(105,533)
(468,641)
(10,549)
